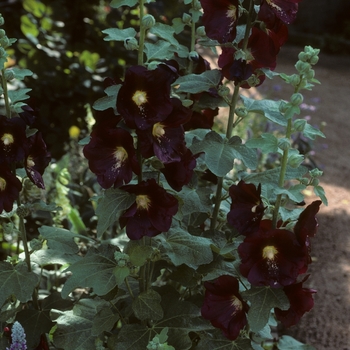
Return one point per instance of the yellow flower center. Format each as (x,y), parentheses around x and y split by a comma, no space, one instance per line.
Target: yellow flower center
(158,130)
(2,184)
(143,201)
(30,162)
(120,155)
(7,139)
(139,97)
(269,252)
(231,12)
(237,304)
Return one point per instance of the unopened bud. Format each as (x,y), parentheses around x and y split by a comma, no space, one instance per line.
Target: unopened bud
(295,80)
(295,160)
(241,112)
(122,259)
(297,99)
(303,56)
(196,5)
(193,56)
(5,42)
(315,172)
(223,91)
(314,182)
(313,60)
(186,18)
(302,67)
(283,107)
(2,33)
(2,21)
(310,74)
(284,144)
(9,74)
(3,52)
(299,125)
(304,181)
(148,21)
(131,44)
(200,31)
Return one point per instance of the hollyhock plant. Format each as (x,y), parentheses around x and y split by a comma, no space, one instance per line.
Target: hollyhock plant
(272,258)
(111,155)
(10,187)
(166,139)
(224,307)
(37,159)
(203,119)
(246,209)
(12,139)
(220,19)
(152,211)
(180,173)
(301,301)
(144,98)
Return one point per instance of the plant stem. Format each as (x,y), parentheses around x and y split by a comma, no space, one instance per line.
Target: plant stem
(142,34)
(5,92)
(193,41)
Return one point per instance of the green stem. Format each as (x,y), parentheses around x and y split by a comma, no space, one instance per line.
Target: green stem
(5,92)
(129,288)
(193,40)
(217,203)
(248,25)
(142,34)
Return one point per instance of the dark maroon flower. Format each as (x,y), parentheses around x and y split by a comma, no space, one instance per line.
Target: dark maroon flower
(224,307)
(12,139)
(27,114)
(246,208)
(144,98)
(152,211)
(111,155)
(180,173)
(300,300)
(202,120)
(272,258)
(37,158)
(220,19)
(10,187)
(285,10)
(166,139)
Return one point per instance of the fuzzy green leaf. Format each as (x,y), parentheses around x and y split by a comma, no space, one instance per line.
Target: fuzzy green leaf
(287,342)
(119,34)
(165,32)
(138,254)
(319,191)
(161,50)
(108,101)
(183,248)
(130,337)
(147,306)
(269,108)
(98,269)
(18,95)
(268,143)
(104,321)
(117,3)
(17,281)
(110,207)
(311,132)
(195,83)
(294,192)
(21,73)
(262,300)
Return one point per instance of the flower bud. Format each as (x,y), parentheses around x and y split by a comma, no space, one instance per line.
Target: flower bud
(284,144)
(302,67)
(200,31)
(284,106)
(227,184)
(297,99)
(295,80)
(197,5)
(2,33)
(2,21)
(315,172)
(295,160)
(3,52)
(299,125)
(304,181)
(314,182)
(313,60)
(9,74)
(186,18)
(122,259)
(148,21)
(310,74)
(241,112)
(131,44)
(303,56)
(5,42)
(223,91)
(193,56)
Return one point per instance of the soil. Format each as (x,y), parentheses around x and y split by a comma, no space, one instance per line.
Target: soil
(327,325)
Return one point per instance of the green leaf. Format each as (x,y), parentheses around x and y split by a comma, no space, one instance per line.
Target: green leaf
(117,3)
(268,143)
(147,306)
(130,337)
(21,73)
(108,101)
(183,248)
(219,342)
(165,32)
(271,176)
(192,202)
(161,50)
(104,321)
(110,207)
(17,281)
(119,34)
(98,269)
(28,28)
(44,257)
(35,323)
(220,153)
(311,132)
(269,108)
(18,95)
(262,300)
(89,59)
(319,191)
(287,342)
(178,25)
(37,8)
(294,192)
(138,254)
(195,83)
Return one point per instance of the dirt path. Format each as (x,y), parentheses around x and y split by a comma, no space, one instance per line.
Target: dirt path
(327,326)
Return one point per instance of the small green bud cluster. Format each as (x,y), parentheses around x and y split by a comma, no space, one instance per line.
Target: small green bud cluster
(200,31)
(131,44)
(148,21)
(186,18)
(122,259)
(284,144)
(299,125)
(295,160)
(241,112)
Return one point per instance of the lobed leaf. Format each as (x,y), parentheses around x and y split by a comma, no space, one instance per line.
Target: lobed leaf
(146,306)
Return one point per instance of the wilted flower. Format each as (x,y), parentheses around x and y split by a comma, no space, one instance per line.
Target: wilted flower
(220,19)
(144,98)
(224,307)
(272,257)
(18,338)
(152,211)
(10,187)
(246,208)
(111,155)
(300,300)
(37,159)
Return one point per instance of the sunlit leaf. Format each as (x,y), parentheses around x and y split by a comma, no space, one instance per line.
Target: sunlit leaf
(119,34)
(117,3)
